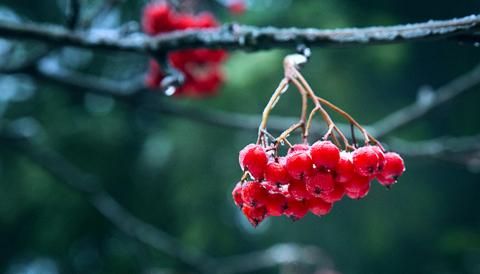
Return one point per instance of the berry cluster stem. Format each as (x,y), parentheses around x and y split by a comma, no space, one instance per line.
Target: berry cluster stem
(293,75)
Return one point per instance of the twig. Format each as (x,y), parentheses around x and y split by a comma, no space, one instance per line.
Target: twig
(242,37)
(420,107)
(438,146)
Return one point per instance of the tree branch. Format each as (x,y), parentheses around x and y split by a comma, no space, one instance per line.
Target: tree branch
(242,37)
(426,101)
(88,185)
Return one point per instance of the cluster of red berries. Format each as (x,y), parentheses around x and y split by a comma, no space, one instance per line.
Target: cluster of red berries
(200,67)
(309,178)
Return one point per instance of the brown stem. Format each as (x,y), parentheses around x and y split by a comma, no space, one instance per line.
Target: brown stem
(268,108)
(368,136)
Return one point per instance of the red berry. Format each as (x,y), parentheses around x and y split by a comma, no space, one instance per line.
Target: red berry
(334,196)
(393,168)
(296,209)
(276,172)
(318,206)
(276,204)
(299,164)
(255,215)
(236,7)
(320,182)
(254,159)
(381,158)
(365,161)
(298,190)
(325,154)
(237,195)
(358,187)
(359,193)
(254,194)
(344,170)
(298,147)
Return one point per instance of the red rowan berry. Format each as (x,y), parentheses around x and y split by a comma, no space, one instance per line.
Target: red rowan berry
(357,183)
(325,154)
(237,195)
(296,209)
(343,172)
(254,159)
(320,182)
(255,215)
(236,7)
(358,193)
(358,187)
(393,168)
(276,204)
(381,158)
(334,196)
(318,206)
(276,172)
(365,161)
(298,147)
(253,193)
(299,164)
(298,190)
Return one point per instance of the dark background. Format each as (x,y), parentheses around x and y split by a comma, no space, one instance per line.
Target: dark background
(177,174)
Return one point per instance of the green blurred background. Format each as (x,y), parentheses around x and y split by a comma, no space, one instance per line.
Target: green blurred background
(177,174)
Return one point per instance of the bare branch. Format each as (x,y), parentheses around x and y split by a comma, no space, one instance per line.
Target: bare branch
(464,150)
(426,101)
(242,37)
(438,146)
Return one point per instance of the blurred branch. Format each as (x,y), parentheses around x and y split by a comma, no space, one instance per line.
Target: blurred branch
(242,37)
(427,100)
(134,94)
(62,170)
(463,150)
(438,146)
(279,254)
(57,166)
(103,8)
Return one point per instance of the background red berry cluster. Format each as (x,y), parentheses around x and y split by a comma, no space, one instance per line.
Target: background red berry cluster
(309,178)
(200,67)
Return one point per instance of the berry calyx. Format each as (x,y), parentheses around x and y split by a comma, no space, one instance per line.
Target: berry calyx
(320,182)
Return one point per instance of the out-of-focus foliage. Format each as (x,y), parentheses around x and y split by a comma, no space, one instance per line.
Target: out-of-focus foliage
(177,174)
